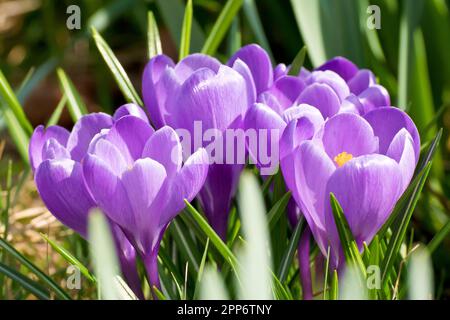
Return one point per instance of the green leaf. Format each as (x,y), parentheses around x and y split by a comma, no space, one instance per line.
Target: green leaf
(60,293)
(221,26)
(75,104)
(251,13)
(327,272)
(405,207)
(13,104)
(119,74)
(185,244)
(348,243)
(439,237)
(288,256)
(154,42)
(334,290)
(69,258)
(56,115)
(18,134)
(201,269)
(298,61)
(186,31)
(159,294)
(105,261)
(28,284)
(278,210)
(212,235)
(212,285)
(408,22)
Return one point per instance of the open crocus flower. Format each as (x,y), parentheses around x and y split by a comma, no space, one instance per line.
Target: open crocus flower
(366,162)
(197,95)
(55,156)
(137,177)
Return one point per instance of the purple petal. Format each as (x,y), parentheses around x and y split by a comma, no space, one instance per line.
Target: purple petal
(351,104)
(218,100)
(187,184)
(108,192)
(194,62)
(111,156)
(321,96)
(258,61)
(386,122)
(374,97)
(164,146)
(130,134)
(367,189)
(332,79)
(83,132)
(401,150)
(347,132)
(38,139)
(61,187)
(342,66)
(286,90)
(153,96)
(361,81)
(245,72)
(306,172)
(130,109)
(279,71)
(53,150)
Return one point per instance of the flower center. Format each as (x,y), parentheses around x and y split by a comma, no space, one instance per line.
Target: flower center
(342,158)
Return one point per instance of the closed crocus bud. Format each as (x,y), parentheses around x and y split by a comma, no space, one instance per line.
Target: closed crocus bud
(366,162)
(195,96)
(55,156)
(138,179)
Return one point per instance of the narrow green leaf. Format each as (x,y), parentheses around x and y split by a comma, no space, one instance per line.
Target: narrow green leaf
(185,244)
(290,252)
(221,26)
(13,104)
(251,13)
(399,230)
(60,293)
(154,42)
(348,243)
(186,31)
(334,290)
(201,269)
(18,134)
(75,104)
(212,235)
(56,115)
(28,284)
(119,74)
(439,237)
(69,258)
(298,61)
(327,272)
(278,210)
(103,254)
(159,294)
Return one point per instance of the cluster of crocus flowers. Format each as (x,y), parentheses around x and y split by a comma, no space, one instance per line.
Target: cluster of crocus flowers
(338,134)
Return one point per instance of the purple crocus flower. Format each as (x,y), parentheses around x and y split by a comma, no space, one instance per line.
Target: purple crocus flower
(137,177)
(367,162)
(55,156)
(200,91)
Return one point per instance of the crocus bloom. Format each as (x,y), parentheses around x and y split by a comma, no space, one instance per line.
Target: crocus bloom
(200,90)
(366,162)
(137,177)
(55,156)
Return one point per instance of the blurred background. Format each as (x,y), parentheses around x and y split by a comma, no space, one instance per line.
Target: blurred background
(409,54)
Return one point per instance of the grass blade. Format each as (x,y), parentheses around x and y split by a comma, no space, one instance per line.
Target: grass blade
(119,74)
(60,293)
(348,243)
(186,31)
(290,252)
(212,235)
(278,210)
(200,270)
(69,258)
(75,104)
(221,26)
(56,115)
(154,42)
(13,104)
(298,61)
(28,284)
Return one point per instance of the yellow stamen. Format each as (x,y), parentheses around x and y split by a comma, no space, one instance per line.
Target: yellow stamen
(342,158)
